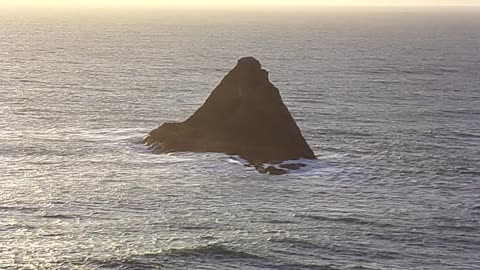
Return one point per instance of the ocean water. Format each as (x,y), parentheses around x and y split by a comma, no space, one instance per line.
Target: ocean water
(388,99)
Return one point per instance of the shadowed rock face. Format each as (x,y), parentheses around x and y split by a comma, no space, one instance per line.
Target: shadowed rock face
(244,116)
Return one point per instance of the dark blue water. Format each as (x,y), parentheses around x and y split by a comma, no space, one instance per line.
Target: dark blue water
(388,99)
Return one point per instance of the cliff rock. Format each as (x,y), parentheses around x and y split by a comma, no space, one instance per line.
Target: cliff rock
(245,116)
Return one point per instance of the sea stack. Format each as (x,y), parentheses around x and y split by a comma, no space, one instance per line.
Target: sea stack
(243,116)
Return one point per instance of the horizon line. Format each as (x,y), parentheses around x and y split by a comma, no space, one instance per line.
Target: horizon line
(229,5)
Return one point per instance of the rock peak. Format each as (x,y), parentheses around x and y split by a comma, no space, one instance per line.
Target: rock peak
(249,70)
(249,63)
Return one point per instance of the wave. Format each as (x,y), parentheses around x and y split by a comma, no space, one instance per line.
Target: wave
(346,220)
(303,243)
(178,258)
(466,134)
(210,256)
(424,70)
(60,216)
(19,208)
(211,250)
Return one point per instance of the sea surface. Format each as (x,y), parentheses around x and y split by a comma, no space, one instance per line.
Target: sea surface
(389,100)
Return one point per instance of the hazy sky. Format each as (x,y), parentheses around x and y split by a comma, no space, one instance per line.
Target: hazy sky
(238,2)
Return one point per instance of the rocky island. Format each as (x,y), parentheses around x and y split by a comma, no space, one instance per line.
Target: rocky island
(244,116)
